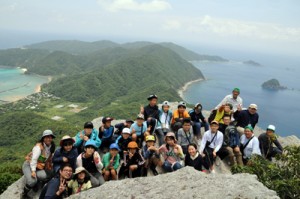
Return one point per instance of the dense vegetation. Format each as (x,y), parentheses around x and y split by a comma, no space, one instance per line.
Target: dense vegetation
(283,176)
(272,84)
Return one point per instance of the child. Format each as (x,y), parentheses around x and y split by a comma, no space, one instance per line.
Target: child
(91,161)
(164,122)
(151,154)
(198,120)
(172,153)
(193,158)
(81,181)
(225,109)
(138,129)
(186,135)
(133,161)
(111,162)
(179,115)
(123,141)
(120,126)
(106,131)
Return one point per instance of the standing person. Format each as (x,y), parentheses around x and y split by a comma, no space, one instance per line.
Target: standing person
(178,116)
(91,161)
(81,181)
(186,135)
(151,113)
(249,144)
(151,154)
(266,141)
(231,142)
(138,129)
(57,187)
(234,99)
(198,120)
(120,126)
(164,122)
(88,133)
(193,158)
(123,141)
(172,153)
(65,153)
(211,143)
(246,117)
(111,162)
(106,132)
(38,164)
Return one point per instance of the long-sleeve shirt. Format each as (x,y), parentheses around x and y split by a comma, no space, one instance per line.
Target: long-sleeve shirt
(93,136)
(196,117)
(148,153)
(244,118)
(59,154)
(136,159)
(106,133)
(177,115)
(185,138)
(266,143)
(216,144)
(228,99)
(169,154)
(151,111)
(96,160)
(49,191)
(37,152)
(164,119)
(251,148)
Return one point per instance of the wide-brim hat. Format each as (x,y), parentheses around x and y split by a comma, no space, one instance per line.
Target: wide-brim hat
(171,134)
(79,170)
(66,138)
(47,133)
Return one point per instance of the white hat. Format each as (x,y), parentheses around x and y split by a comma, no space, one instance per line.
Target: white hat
(47,133)
(126,131)
(271,127)
(254,106)
(165,103)
(79,170)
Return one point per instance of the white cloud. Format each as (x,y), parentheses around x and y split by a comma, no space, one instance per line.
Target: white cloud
(172,25)
(134,5)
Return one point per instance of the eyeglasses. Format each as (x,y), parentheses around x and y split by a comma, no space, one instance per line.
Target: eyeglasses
(68,171)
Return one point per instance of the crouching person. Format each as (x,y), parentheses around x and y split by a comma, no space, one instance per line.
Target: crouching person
(111,162)
(81,181)
(38,164)
(172,153)
(57,187)
(151,154)
(91,161)
(193,158)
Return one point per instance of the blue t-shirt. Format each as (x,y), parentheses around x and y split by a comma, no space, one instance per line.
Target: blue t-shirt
(139,130)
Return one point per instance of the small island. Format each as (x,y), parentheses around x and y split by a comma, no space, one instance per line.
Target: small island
(251,62)
(273,84)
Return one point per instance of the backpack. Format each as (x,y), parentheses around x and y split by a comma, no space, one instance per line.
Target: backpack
(212,116)
(232,136)
(42,162)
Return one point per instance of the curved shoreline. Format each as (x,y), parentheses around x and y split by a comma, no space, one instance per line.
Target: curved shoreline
(185,87)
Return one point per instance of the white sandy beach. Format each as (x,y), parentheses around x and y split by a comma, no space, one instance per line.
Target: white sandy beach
(184,88)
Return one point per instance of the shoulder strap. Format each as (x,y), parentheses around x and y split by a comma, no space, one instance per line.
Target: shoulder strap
(213,137)
(187,137)
(244,146)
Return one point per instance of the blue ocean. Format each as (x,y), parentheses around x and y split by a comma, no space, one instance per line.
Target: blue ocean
(279,108)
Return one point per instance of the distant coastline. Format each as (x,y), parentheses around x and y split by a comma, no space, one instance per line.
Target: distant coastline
(185,87)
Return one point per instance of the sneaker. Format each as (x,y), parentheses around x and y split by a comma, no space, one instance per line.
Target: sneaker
(212,171)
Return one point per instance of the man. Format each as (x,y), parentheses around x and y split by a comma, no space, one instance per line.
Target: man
(186,135)
(57,187)
(234,99)
(211,143)
(246,117)
(198,120)
(151,112)
(88,133)
(249,144)
(106,132)
(266,141)
(231,142)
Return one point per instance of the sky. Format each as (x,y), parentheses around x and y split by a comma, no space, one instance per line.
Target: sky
(270,26)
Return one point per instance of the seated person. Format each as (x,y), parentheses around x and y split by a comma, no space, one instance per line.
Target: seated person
(123,141)
(198,120)
(164,122)
(249,144)
(133,162)
(246,117)
(88,133)
(186,135)
(193,158)
(211,143)
(65,153)
(80,182)
(106,131)
(225,109)
(172,153)
(266,141)
(57,187)
(91,161)
(138,129)
(111,162)
(234,99)
(151,113)
(178,116)
(120,126)
(151,154)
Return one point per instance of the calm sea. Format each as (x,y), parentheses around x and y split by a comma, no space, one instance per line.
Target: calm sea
(280,108)
(14,84)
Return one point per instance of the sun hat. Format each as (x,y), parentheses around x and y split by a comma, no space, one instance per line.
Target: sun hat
(114,146)
(132,145)
(271,128)
(65,138)
(150,138)
(47,133)
(91,143)
(254,106)
(126,131)
(171,134)
(79,170)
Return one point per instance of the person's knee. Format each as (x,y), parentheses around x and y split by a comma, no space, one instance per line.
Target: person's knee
(132,167)
(134,137)
(113,172)
(177,166)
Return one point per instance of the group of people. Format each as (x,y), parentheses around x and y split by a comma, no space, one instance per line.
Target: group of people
(158,137)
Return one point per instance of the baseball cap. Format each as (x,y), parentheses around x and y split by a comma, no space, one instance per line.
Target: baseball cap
(107,119)
(254,106)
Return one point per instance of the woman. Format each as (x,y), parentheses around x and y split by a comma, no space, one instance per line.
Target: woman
(193,158)
(80,182)
(66,153)
(38,164)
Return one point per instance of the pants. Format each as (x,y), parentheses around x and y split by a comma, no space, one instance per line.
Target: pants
(237,155)
(41,175)
(168,167)
(152,122)
(197,127)
(209,159)
(160,135)
(273,152)
(97,179)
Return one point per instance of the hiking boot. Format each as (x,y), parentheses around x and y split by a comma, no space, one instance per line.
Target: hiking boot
(213,171)
(25,192)
(153,169)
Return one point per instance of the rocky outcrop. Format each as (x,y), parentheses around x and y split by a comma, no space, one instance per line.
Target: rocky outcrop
(273,84)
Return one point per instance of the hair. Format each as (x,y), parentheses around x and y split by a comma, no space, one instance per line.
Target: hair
(186,120)
(226,115)
(65,165)
(86,178)
(194,145)
(167,145)
(52,148)
(230,105)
